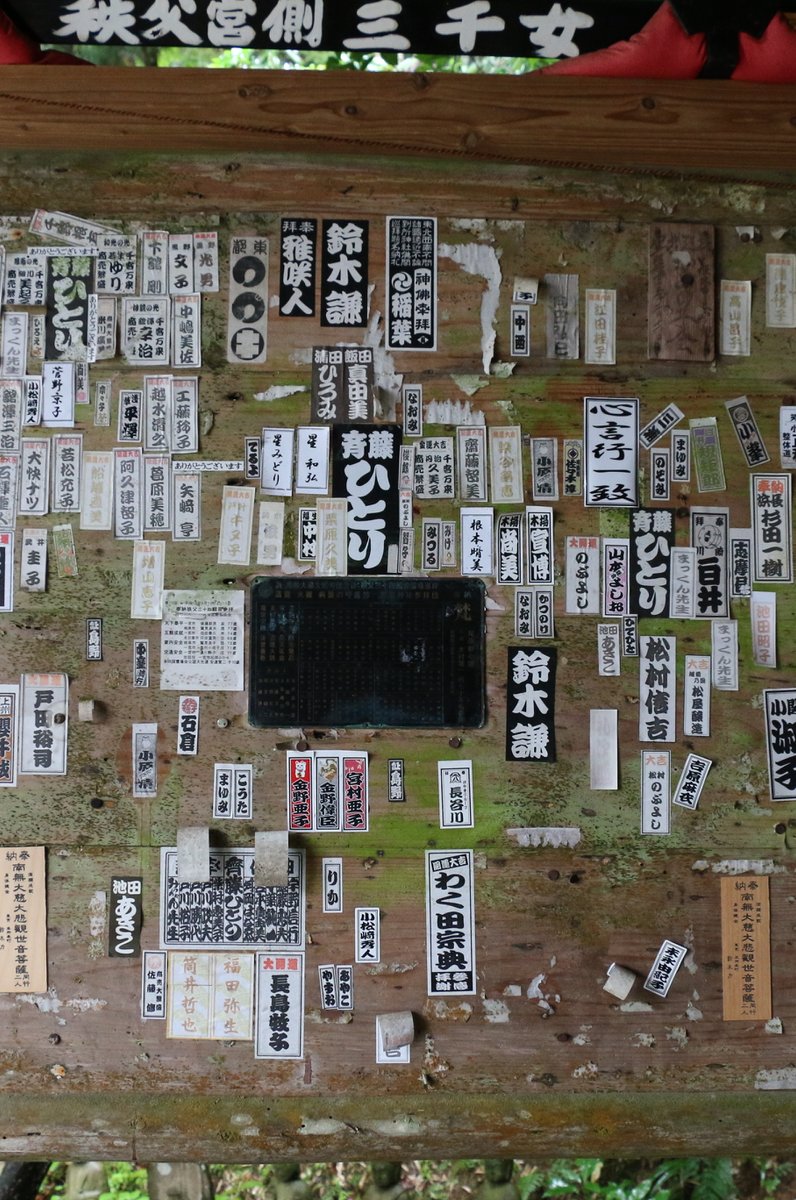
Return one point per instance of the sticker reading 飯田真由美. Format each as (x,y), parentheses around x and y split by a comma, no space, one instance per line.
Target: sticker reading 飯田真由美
(449,908)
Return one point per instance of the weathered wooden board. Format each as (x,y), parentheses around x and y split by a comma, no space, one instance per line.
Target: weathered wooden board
(540,1060)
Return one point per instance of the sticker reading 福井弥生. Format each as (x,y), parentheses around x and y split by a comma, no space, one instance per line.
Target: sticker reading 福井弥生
(126,917)
(746,430)
(230,912)
(600,339)
(771,528)
(367,935)
(247,322)
(33,561)
(696,695)
(235,530)
(332,875)
(344,273)
(692,781)
(763,614)
(455,785)
(505,465)
(153,986)
(582,575)
(657,689)
(279,1017)
(724,655)
(198,996)
(471,459)
(145,760)
(23,957)
(201,645)
(655,791)
(411,284)
(746,948)
(610,452)
(434,477)
(450,907)
(667,963)
(530,704)
(298,254)
(477,542)
(706,450)
(271,532)
(188,725)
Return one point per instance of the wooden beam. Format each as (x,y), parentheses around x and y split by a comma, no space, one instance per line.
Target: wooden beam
(626,124)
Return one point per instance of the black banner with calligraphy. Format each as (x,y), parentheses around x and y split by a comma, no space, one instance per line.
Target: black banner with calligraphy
(500,27)
(531,704)
(365,472)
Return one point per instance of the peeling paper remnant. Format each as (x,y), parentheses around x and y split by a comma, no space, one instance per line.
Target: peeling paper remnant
(279,393)
(779,1079)
(477,259)
(553,836)
(453,412)
(740,866)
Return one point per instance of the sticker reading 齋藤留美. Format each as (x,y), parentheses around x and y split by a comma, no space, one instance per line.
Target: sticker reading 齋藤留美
(367,935)
(202,641)
(332,872)
(247,322)
(229,912)
(344,273)
(692,780)
(450,910)
(655,791)
(23,947)
(471,458)
(455,785)
(279,1016)
(411,284)
(530,704)
(657,689)
(610,452)
(746,948)
(126,917)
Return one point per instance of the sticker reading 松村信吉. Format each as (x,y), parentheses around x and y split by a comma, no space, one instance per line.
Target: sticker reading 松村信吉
(746,948)
(247,322)
(696,695)
(153,986)
(668,961)
(455,784)
(23,920)
(657,689)
(530,704)
(233,791)
(202,641)
(230,912)
(126,917)
(692,780)
(411,284)
(44,706)
(655,791)
(344,273)
(279,1018)
(367,935)
(610,452)
(741,563)
(332,885)
(450,923)
(210,996)
(780,728)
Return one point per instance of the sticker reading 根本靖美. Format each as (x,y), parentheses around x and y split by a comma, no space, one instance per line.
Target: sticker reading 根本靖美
(477,540)
(450,909)
(471,459)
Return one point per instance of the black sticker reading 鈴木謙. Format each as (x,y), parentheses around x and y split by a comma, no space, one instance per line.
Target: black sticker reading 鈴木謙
(530,704)
(344,274)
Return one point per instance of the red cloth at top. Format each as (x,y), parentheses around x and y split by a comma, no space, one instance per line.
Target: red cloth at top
(663,50)
(16,49)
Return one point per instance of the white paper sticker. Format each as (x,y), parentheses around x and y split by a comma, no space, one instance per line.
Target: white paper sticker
(145,760)
(327,982)
(657,689)
(735,308)
(115,265)
(235,532)
(198,993)
(520,331)
(616,565)
(233,791)
(471,458)
(58,395)
(600,348)
(277,462)
(505,465)
(279,1026)
(102,403)
(724,655)
(247,324)
(367,935)
(747,431)
(659,426)
(763,614)
(154,262)
(145,323)
(63,227)
(682,570)
(697,678)
(434,478)
(157,493)
(33,561)
(667,963)
(772,528)
(332,547)
(153,985)
(332,876)
(603,750)
(270,533)
(6,570)
(45,724)
(14,344)
(477,528)
(31,400)
(780,727)
(188,725)
(412,401)
(609,650)
(205,261)
(681,456)
(655,791)
(149,564)
(610,452)
(66,472)
(180,264)
(660,465)
(25,279)
(455,784)
(787,437)
(449,907)
(141,663)
(185,414)
(106,329)
(448,544)
(562,316)
(540,544)
(544,468)
(130,418)
(9,490)
(430,551)
(96,501)
(583,575)
(202,638)
(186,521)
(740,563)
(157,414)
(692,780)
(128,494)
(781,291)
(312,460)
(709,537)
(186,332)
(401,1054)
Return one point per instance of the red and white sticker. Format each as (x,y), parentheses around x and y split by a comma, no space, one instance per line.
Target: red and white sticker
(300,790)
(655,791)
(354,791)
(188,725)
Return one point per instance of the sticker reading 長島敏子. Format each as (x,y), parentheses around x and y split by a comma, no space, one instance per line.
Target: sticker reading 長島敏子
(411,283)
(657,690)
(450,923)
(230,912)
(455,784)
(202,641)
(780,726)
(23,920)
(530,704)
(279,1017)
(610,452)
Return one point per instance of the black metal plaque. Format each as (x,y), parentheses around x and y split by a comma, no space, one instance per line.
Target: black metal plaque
(372,652)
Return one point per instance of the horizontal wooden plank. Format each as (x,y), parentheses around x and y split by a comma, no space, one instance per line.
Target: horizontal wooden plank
(700,124)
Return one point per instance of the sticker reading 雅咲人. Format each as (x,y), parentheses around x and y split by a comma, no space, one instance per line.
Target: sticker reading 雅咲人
(367,935)
(449,908)
(455,784)
(746,948)
(23,948)
(298,254)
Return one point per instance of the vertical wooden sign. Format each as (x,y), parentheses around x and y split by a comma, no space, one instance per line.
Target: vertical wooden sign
(681,309)
(746,948)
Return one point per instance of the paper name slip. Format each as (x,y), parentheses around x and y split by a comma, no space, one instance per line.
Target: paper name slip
(202,641)
(23,920)
(746,948)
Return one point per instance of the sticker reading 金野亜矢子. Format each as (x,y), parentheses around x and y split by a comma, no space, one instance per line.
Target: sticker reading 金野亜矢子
(450,908)
(202,641)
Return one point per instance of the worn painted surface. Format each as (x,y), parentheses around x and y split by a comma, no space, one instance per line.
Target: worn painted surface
(541,1061)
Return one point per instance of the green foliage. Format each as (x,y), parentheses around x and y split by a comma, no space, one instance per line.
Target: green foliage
(125,1180)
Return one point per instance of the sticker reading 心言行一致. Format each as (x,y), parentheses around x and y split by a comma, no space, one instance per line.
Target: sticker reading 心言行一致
(610,452)
(449,911)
